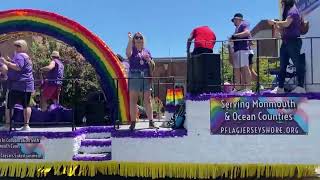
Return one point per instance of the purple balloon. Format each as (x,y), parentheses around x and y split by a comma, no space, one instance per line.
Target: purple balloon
(53,107)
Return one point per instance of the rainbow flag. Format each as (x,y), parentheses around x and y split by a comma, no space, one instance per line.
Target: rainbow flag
(174,96)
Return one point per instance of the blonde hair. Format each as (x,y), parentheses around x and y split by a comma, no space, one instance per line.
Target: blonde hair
(23,44)
(143,39)
(55,54)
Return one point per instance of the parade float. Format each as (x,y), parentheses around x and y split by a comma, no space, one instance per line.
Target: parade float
(225,135)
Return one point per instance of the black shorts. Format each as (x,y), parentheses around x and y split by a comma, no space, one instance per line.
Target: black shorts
(201,50)
(250,59)
(18,97)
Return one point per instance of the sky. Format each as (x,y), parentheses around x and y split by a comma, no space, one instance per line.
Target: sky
(166,24)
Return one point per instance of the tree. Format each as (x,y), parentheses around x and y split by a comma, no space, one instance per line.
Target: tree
(265,65)
(76,67)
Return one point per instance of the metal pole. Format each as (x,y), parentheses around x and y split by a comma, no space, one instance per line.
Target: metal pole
(117,107)
(74,104)
(158,113)
(221,65)
(311,42)
(258,69)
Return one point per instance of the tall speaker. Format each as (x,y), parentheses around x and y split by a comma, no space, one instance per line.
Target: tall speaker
(204,74)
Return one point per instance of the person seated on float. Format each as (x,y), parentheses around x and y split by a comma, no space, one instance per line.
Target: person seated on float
(141,66)
(53,81)
(204,41)
(20,82)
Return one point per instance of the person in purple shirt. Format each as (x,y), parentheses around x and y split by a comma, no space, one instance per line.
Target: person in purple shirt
(125,64)
(241,51)
(140,61)
(53,81)
(291,45)
(20,82)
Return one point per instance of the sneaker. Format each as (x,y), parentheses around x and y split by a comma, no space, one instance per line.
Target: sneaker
(246,91)
(26,128)
(299,90)
(165,125)
(277,90)
(234,91)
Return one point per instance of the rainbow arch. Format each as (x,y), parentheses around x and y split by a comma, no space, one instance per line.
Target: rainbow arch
(97,53)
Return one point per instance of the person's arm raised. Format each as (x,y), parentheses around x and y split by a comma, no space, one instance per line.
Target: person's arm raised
(129,46)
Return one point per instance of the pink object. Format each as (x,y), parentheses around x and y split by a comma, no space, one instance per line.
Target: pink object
(227,87)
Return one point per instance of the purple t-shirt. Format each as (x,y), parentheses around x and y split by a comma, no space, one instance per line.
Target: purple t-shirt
(56,73)
(137,60)
(242,45)
(21,80)
(293,31)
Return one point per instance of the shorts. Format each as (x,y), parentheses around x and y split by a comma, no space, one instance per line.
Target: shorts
(18,97)
(241,59)
(137,82)
(51,91)
(201,50)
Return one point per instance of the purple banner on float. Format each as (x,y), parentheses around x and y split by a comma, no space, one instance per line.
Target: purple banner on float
(21,147)
(258,116)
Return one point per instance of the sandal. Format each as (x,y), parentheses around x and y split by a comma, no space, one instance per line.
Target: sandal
(132,126)
(151,124)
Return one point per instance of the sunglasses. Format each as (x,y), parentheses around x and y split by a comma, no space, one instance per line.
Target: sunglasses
(138,37)
(17,45)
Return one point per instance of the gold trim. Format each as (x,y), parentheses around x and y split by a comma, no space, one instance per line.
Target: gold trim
(156,170)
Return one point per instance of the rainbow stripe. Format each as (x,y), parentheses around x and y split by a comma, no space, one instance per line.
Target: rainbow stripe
(217,113)
(174,96)
(96,52)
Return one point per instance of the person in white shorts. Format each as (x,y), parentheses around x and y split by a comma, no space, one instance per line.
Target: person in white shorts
(241,59)
(241,49)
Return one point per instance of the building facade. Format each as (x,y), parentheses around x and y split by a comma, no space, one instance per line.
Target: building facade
(169,72)
(264,33)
